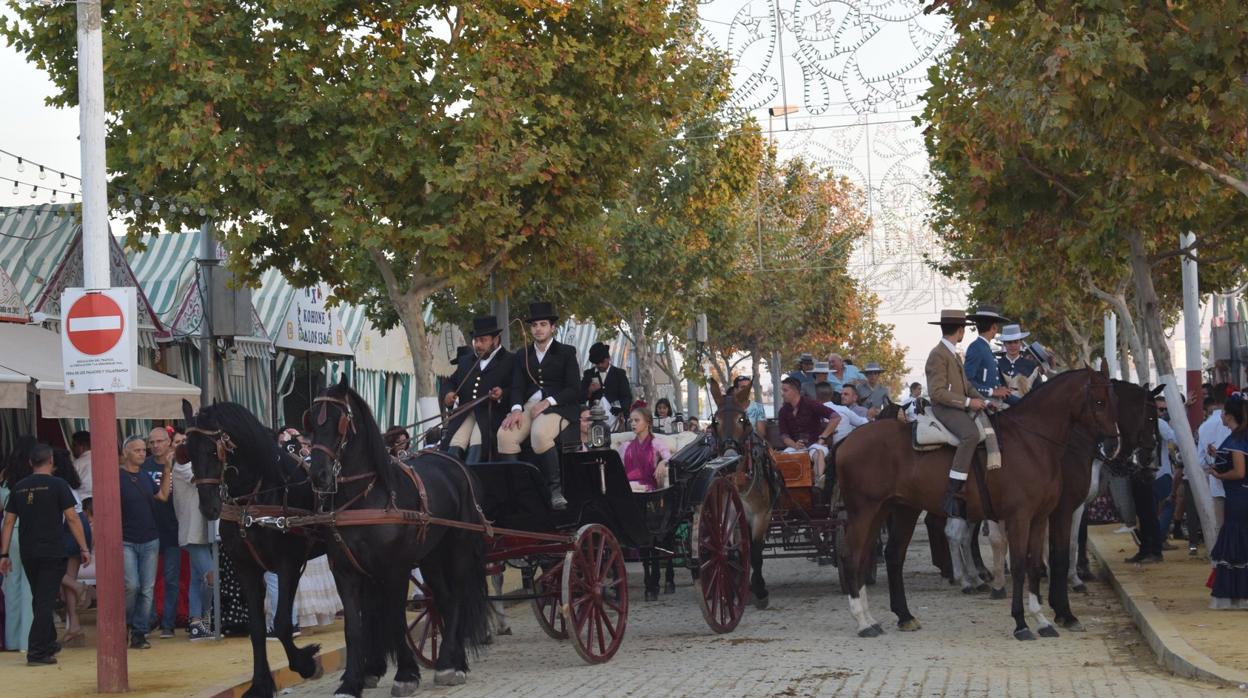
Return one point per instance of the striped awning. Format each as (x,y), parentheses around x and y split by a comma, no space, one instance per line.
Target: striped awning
(33,242)
(166,270)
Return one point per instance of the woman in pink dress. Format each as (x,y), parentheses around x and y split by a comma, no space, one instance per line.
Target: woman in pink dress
(645,464)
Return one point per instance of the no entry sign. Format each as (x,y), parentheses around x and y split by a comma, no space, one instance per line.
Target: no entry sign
(99,344)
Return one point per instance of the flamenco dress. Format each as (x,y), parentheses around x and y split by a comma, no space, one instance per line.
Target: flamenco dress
(1230,552)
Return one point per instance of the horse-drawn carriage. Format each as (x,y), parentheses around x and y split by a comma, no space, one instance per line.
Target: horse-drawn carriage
(572,562)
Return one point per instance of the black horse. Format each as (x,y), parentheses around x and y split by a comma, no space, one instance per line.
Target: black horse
(372,559)
(236,459)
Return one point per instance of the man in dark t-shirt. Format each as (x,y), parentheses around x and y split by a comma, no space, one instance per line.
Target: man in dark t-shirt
(140,539)
(45,505)
(160,448)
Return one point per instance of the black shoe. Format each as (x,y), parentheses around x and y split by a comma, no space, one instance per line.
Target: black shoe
(139,642)
(955,506)
(669,587)
(40,661)
(1179,533)
(1142,558)
(652,595)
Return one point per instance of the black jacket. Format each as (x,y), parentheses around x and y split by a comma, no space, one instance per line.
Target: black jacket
(616,388)
(555,376)
(469,383)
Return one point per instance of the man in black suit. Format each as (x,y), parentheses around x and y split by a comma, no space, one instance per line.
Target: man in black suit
(604,381)
(544,392)
(486,371)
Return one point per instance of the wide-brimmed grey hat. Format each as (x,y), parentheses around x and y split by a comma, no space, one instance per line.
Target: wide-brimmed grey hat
(987,312)
(1013,333)
(805,359)
(951,316)
(1038,351)
(822,367)
(872,367)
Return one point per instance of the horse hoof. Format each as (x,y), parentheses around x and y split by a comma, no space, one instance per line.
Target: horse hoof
(986,576)
(983,589)
(1048,631)
(405,688)
(504,631)
(878,628)
(318,673)
(1081,588)
(371,681)
(870,631)
(968,590)
(909,626)
(997,593)
(762,602)
(1024,634)
(450,677)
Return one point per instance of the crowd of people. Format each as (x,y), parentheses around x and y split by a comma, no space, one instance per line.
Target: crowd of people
(46,549)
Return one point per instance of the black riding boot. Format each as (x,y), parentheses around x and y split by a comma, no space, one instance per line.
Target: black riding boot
(549,462)
(457,453)
(955,506)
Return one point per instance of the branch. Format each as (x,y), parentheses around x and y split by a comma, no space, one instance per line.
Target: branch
(1165,147)
(1052,179)
(1180,252)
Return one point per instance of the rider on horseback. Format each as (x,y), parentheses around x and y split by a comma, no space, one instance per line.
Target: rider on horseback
(953,400)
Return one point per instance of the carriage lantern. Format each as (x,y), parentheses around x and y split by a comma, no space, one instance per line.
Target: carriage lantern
(678,423)
(599,436)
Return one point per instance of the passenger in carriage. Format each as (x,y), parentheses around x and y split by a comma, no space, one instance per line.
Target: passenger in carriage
(486,374)
(663,417)
(645,457)
(742,388)
(606,383)
(874,395)
(545,382)
(850,419)
(849,400)
(806,425)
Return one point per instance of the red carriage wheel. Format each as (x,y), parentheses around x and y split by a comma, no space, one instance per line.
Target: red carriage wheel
(595,594)
(425,630)
(721,540)
(546,587)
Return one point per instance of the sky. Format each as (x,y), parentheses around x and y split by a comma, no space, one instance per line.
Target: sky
(852,80)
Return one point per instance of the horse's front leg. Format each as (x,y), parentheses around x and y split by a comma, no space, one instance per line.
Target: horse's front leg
(1000,549)
(1059,570)
(759,525)
(407,676)
(1035,551)
(303,661)
(901,529)
(353,615)
(1018,530)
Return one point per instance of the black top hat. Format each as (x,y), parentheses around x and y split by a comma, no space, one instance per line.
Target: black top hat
(951,316)
(542,311)
(988,312)
(461,352)
(482,326)
(598,352)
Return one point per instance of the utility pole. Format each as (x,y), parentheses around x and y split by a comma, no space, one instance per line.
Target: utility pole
(1111,343)
(1191,331)
(208,264)
(111,669)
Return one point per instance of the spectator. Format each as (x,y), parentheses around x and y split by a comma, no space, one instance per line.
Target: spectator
(874,396)
(17,592)
(80,447)
(195,538)
(398,441)
(1230,552)
(46,503)
(805,425)
(805,374)
(820,374)
(1168,476)
(73,592)
(692,425)
(849,400)
(1213,431)
(742,387)
(850,419)
(663,417)
(159,462)
(841,373)
(140,536)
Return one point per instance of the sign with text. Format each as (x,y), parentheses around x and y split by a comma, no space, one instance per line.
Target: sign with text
(310,326)
(12,309)
(99,340)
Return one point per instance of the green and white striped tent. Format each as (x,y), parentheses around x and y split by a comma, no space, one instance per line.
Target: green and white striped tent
(166,269)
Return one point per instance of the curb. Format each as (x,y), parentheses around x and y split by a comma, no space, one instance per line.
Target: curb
(1173,652)
(328,661)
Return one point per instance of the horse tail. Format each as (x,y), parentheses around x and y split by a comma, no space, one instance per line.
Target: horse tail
(468,570)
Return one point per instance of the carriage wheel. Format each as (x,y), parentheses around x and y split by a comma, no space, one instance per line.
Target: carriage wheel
(425,630)
(595,594)
(547,586)
(722,551)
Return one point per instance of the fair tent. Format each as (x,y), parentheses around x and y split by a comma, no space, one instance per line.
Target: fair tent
(34,352)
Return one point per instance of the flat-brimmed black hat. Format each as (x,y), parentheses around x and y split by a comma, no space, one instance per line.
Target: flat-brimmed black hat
(481,326)
(598,352)
(542,311)
(951,316)
(988,312)
(461,352)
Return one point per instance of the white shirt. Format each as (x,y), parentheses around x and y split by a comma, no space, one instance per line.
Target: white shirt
(83,465)
(537,394)
(850,420)
(1212,431)
(1167,438)
(486,361)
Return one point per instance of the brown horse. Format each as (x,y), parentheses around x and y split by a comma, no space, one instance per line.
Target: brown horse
(758,482)
(881,479)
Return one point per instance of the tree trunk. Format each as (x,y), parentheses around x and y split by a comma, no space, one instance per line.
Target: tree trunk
(645,357)
(412,315)
(1124,355)
(1146,293)
(1129,331)
(755,372)
(667,364)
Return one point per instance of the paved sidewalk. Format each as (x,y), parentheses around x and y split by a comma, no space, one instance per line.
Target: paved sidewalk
(1170,604)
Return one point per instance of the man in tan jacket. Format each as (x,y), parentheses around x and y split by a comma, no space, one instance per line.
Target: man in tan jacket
(953,402)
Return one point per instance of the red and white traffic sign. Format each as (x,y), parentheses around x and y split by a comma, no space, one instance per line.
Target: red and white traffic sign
(99,344)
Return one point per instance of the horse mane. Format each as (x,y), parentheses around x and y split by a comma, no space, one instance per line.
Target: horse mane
(371,437)
(255,444)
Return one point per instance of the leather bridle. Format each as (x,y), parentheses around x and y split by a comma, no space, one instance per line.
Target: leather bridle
(224,448)
(346,426)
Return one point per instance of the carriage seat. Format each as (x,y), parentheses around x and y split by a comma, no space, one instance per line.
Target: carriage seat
(795,468)
(674,442)
(928,434)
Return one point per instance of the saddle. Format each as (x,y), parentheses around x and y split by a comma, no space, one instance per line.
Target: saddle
(928,434)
